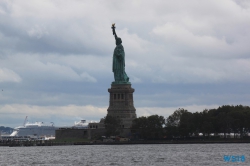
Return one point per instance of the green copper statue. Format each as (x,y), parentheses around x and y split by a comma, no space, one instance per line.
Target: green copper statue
(119,61)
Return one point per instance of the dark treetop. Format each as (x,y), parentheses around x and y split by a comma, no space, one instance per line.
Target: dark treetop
(119,61)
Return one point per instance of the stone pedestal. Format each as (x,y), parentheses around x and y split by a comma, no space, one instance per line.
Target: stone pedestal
(121,103)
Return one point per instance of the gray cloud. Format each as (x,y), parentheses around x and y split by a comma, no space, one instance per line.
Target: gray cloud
(56,54)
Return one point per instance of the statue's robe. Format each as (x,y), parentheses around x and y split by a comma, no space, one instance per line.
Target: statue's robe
(119,64)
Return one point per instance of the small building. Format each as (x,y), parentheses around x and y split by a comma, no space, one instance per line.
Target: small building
(93,130)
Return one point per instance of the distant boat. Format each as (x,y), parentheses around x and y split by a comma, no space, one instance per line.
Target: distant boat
(82,124)
(35,129)
(40,129)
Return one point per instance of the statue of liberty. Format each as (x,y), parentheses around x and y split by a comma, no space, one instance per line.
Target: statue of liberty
(119,61)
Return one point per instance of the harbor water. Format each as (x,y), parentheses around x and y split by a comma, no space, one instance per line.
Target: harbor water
(124,155)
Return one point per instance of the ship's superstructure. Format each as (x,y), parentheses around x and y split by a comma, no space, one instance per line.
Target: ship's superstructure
(82,124)
(40,129)
(35,129)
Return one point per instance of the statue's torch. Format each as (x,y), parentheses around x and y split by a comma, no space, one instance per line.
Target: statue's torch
(113,28)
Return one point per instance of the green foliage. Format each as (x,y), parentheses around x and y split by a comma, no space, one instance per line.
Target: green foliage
(174,119)
(225,119)
(176,123)
(183,124)
(113,125)
(149,127)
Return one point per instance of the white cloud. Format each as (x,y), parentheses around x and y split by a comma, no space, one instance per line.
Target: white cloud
(243,3)
(178,34)
(7,75)
(135,79)
(46,67)
(87,77)
(37,31)
(49,46)
(66,115)
(60,115)
(167,111)
(61,72)
(133,42)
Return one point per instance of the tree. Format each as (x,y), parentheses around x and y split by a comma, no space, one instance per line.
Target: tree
(174,119)
(173,123)
(197,123)
(149,127)
(112,125)
(186,124)
(206,126)
(225,119)
(155,126)
(139,127)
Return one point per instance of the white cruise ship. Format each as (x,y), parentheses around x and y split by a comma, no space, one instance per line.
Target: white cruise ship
(39,129)
(35,129)
(83,124)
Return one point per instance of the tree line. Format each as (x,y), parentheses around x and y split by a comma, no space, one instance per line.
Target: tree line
(185,124)
(225,119)
(6,130)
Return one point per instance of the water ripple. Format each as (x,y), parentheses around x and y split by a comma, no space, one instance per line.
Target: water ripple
(124,155)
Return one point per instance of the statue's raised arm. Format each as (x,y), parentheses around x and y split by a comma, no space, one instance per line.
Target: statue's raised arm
(113,28)
(117,39)
(119,61)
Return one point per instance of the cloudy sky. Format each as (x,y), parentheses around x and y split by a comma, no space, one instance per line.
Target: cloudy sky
(56,56)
